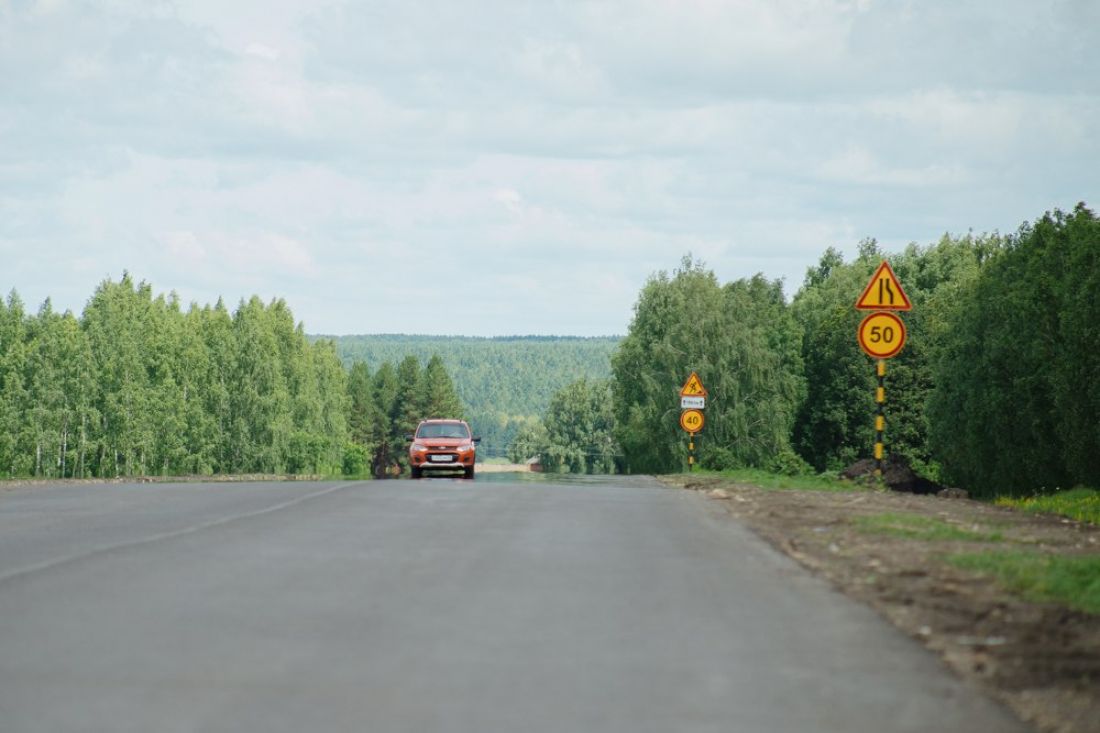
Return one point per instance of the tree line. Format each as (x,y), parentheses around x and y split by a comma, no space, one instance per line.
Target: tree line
(136,385)
(997,389)
(385,407)
(505,383)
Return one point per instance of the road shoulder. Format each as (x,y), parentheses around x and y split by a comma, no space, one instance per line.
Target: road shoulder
(891,551)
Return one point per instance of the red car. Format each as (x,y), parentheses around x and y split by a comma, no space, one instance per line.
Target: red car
(442,445)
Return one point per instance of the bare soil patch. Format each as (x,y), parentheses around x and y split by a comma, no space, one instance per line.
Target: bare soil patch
(503,468)
(1041,659)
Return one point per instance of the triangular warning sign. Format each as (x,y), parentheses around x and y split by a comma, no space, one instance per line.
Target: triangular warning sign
(693,387)
(884,292)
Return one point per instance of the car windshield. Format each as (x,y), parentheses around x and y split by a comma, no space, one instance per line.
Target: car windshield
(443,430)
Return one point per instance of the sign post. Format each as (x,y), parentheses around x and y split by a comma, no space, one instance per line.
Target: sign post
(882,335)
(693,399)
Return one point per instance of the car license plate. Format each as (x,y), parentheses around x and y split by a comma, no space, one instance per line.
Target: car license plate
(440,459)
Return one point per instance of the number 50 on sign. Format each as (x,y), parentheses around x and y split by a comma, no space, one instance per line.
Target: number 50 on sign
(882,335)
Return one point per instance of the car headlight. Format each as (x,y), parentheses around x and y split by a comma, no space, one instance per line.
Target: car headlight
(416,448)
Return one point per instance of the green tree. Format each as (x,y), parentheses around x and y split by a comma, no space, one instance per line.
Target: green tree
(742,341)
(136,387)
(260,400)
(579,426)
(388,442)
(214,324)
(408,402)
(834,425)
(117,323)
(502,382)
(363,412)
(437,393)
(59,412)
(171,371)
(332,388)
(14,398)
(1016,402)
(408,408)
(530,442)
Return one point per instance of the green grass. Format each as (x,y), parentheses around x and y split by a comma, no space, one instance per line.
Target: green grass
(1073,581)
(768,480)
(920,527)
(1080,504)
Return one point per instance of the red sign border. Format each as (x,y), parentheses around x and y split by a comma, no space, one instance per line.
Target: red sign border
(906,304)
(683,390)
(901,344)
(702,423)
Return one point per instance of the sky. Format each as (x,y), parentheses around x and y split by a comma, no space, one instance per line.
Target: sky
(508,167)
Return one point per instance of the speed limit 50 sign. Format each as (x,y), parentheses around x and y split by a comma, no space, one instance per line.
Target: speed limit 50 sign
(882,335)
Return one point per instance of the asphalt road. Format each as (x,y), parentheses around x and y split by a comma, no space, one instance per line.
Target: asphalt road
(438,605)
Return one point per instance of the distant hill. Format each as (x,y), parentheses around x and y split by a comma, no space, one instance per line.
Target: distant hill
(502,380)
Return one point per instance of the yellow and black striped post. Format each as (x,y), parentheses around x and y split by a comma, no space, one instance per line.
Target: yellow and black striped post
(691,451)
(880,416)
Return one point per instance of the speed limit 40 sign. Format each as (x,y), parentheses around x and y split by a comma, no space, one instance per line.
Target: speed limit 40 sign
(692,421)
(881,335)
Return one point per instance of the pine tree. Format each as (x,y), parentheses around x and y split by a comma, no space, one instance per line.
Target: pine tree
(388,442)
(437,393)
(408,408)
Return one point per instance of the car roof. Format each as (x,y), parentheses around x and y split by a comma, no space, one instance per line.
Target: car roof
(442,419)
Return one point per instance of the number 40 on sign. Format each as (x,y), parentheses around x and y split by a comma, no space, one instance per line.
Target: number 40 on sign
(692,421)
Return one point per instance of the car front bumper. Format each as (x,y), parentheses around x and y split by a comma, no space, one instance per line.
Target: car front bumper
(424,461)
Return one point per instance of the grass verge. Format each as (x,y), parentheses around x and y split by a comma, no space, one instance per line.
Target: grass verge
(1071,580)
(768,480)
(1080,504)
(919,527)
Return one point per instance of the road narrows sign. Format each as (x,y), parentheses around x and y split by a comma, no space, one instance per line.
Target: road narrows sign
(884,292)
(881,335)
(693,387)
(692,421)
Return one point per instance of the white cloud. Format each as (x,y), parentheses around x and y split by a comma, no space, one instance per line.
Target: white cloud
(185,248)
(508,198)
(259,50)
(858,165)
(557,153)
(561,70)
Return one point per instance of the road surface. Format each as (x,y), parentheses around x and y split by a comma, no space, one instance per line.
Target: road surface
(438,605)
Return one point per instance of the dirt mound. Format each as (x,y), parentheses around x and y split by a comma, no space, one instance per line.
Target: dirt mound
(896,474)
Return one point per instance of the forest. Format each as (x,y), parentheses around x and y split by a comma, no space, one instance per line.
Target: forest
(996,390)
(505,383)
(137,386)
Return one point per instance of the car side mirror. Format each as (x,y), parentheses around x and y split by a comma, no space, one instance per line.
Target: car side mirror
(477,440)
(409,437)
